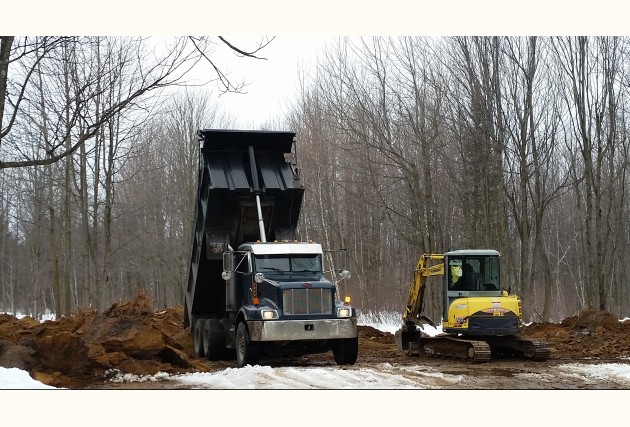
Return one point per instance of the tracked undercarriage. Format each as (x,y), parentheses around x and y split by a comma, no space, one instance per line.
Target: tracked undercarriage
(471,348)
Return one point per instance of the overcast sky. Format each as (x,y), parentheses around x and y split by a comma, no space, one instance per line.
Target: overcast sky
(272,83)
(303,28)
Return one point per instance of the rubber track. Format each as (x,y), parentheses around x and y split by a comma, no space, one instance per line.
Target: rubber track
(482,351)
(541,350)
(461,348)
(458,348)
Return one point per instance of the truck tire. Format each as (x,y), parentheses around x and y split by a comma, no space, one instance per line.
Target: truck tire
(213,339)
(198,337)
(245,350)
(346,351)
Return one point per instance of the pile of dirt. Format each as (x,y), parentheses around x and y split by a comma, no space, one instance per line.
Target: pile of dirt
(590,334)
(86,347)
(375,345)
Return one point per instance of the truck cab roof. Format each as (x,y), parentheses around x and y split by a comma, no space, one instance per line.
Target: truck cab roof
(281,248)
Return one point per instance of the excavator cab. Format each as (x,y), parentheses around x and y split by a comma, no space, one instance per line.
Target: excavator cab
(472,271)
(474,303)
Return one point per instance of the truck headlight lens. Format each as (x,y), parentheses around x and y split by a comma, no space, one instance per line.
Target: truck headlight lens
(269,314)
(344,312)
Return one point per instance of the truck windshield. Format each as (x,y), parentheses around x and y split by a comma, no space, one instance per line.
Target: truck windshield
(306,263)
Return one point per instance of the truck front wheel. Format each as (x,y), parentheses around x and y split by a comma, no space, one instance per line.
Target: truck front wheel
(198,337)
(245,350)
(346,351)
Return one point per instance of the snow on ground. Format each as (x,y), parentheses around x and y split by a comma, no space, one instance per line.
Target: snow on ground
(384,377)
(14,378)
(265,377)
(614,373)
(46,315)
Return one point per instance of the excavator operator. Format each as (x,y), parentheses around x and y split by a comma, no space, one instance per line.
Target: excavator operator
(470,281)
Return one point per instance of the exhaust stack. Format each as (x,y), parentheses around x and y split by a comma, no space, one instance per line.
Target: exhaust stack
(261,223)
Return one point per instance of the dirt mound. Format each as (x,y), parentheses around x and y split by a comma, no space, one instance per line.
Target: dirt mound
(375,344)
(368,331)
(590,334)
(87,348)
(592,320)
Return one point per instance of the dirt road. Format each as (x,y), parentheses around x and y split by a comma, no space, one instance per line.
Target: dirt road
(88,349)
(424,375)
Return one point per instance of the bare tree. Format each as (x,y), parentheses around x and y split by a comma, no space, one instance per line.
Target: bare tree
(156,67)
(592,73)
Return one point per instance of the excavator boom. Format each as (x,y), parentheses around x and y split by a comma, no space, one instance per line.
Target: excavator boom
(415,301)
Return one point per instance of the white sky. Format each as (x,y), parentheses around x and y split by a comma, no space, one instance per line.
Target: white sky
(272,83)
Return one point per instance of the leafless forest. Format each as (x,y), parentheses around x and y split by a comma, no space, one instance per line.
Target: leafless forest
(406,145)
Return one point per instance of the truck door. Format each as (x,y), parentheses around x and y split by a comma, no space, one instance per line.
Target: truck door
(245,278)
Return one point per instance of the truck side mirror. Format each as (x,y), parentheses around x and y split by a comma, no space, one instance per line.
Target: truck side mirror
(341,261)
(228,265)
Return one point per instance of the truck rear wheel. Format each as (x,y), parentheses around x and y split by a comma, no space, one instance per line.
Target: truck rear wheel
(198,337)
(245,351)
(346,351)
(213,339)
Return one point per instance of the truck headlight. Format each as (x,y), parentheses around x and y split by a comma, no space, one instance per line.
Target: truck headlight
(269,314)
(344,311)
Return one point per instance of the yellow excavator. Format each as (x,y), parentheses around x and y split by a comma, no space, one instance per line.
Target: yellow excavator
(480,319)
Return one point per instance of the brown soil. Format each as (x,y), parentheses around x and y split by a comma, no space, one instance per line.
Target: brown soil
(86,348)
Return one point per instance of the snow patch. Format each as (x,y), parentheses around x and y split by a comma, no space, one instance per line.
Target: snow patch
(265,377)
(121,377)
(612,372)
(389,321)
(47,315)
(14,378)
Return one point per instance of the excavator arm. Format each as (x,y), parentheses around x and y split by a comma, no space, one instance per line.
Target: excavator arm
(415,300)
(408,335)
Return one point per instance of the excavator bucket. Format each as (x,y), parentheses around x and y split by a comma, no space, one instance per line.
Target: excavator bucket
(407,338)
(408,341)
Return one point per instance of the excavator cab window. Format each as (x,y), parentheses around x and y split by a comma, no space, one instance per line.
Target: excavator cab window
(473,273)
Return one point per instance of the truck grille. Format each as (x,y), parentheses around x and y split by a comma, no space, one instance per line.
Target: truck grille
(307,301)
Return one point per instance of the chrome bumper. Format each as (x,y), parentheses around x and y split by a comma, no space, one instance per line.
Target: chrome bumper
(294,330)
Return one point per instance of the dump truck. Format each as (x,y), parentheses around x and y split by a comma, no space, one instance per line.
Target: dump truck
(253,288)
(479,318)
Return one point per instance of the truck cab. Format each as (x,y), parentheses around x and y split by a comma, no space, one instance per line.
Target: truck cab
(287,306)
